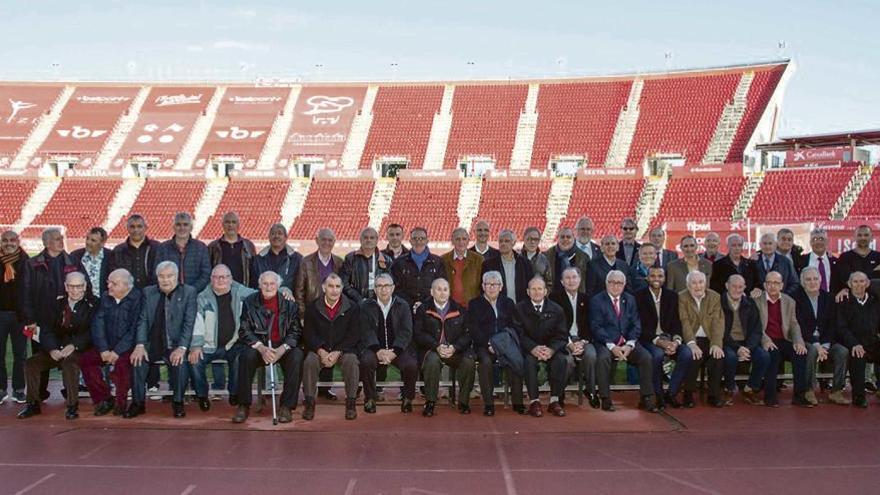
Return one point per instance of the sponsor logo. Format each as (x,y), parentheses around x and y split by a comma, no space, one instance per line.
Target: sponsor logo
(319,139)
(79,132)
(238,133)
(167,134)
(325,105)
(698,226)
(253,100)
(102,100)
(18,106)
(181,99)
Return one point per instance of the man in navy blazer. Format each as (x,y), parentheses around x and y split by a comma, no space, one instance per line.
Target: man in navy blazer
(598,267)
(819,258)
(575,305)
(771,261)
(614,321)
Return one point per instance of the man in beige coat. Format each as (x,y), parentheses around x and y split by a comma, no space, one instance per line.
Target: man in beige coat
(702,329)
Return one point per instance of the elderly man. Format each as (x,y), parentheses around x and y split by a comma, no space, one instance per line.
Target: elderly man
(189,254)
(271,331)
(858,318)
(540,323)
(42,284)
(332,335)
(442,337)
(861,258)
(414,272)
(677,270)
(215,333)
(657,236)
(732,264)
(600,266)
(816,316)
(137,254)
(62,345)
(361,267)
(515,270)
(819,258)
(575,304)
(277,257)
(394,235)
(531,251)
(95,260)
(771,261)
(702,329)
(629,246)
(785,244)
(584,242)
(639,273)
(12,259)
(114,330)
(782,339)
(315,268)
(563,255)
(488,315)
(614,321)
(165,330)
(481,244)
(710,244)
(742,341)
(661,336)
(233,250)
(386,322)
(464,268)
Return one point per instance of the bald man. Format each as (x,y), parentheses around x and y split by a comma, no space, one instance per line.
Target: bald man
(481,245)
(233,250)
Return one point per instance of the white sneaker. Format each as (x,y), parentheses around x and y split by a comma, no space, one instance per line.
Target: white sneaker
(216,397)
(154,390)
(5,396)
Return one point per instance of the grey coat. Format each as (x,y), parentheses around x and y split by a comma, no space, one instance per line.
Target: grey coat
(180,316)
(206,328)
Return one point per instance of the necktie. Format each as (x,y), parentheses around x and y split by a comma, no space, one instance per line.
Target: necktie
(538,308)
(822,275)
(616,303)
(767,264)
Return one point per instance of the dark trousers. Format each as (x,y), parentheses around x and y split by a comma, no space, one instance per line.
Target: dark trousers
(713,369)
(11,329)
(760,361)
(291,366)
(585,366)
(198,373)
(153,373)
(370,369)
(684,358)
(605,366)
(857,368)
(462,364)
(785,350)
(557,372)
(312,367)
(486,363)
(93,373)
(41,362)
(177,376)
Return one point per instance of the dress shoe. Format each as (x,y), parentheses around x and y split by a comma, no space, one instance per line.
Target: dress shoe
(119,410)
(801,401)
(204,404)
(33,409)
(688,400)
(715,402)
(837,397)
(727,397)
(489,411)
(519,408)
(309,412)
(241,415)
(659,402)
(594,401)
(285,415)
(771,403)
(428,411)
(327,394)
(869,386)
(464,408)
(104,407)
(810,396)
(370,406)
(406,406)
(72,412)
(134,409)
(178,410)
(647,404)
(671,401)
(607,404)
(44,394)
(859,401)
(350,409)
(233,400)
(535,409)
(556,409)
(752,397)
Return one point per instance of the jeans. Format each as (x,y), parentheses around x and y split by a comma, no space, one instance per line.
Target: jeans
(683,360)
(11,329)
(785,350)
(198,373)
(760,360)
(176,378)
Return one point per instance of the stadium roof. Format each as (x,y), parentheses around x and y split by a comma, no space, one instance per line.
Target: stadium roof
(849,138)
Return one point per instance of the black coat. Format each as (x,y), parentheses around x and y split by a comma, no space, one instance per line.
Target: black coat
(670,322)
(858,324)
(122,258)
(560,297)
(481,321)
(723,268)
(399,337)
(40,287)
(78,330)
(256,321)
(339,334)
(522,269)
(429,330)
(598,269)
(621,253)
(823,321)
(850,262)
(355,273)
(489,254)
(288,269)
(412,284)
(106,263)
(802,261)
(749,318)
(544,328)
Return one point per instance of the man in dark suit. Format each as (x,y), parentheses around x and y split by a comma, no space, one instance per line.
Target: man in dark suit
(638,279)
(575,305)
(563,255)
(95,260)
(819,258)
(509,261)
(734,263)
(861,258)
(481,245)
(657,236)
(165,330)
(785,245)
(661,335)
(858,318)
(629,246)
(742,341)
(600,266)
(584,228)
(540,323)
(614,321)
(771,261)
(278,257)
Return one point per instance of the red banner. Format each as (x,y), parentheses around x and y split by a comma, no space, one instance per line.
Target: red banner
(20,110)
(817,156)
(611,173)
(243,122)
(322,121)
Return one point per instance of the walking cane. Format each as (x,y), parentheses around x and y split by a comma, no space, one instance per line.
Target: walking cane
(272,386)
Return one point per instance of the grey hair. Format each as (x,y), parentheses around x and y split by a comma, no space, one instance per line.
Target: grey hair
(572,269)
(507,233)
(853,275)
(615,274)
(385,275)
(492,275)
(733,237)
(49,231)
(270,273)
(332,276)
(819,231)
(127,276)
(183,215)
(70,275)
(161,267)
(768,236)
(438,281)
(692,276)
(806,271)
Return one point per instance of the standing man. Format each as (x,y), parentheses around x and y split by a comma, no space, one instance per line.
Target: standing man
(137,255)
(599,267)
(316,267)
(531,251)
(786,246)
(771,261)
(415,271)
(481,245)
(584,228)
(95,260)
(702,329)
(734,264)
(677,270)
(861,258)
(361,267)
(657,236)
(819,258)
(464,268)
(563,255)
(743,334)
(629,246)
(277,257)
(515,270)
(575,305)
(394,235)
(233,250)
(189,254)
(12,259)
(639,273)
(711,243)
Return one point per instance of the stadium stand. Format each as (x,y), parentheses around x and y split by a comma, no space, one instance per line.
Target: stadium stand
(257,202)
(26,106)
(158,201)
(402,120)
(15,193)
(704,198)
(429,203)
(605,201)
(79,204)
(340,204)
(763,87)
(514,204)
(868,203)
(801,195)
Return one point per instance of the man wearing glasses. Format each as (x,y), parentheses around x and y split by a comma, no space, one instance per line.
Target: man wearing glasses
(629,246)
(531,252)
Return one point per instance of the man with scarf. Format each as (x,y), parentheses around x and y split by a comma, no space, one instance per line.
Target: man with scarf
(12,257)
(563,255)
(415,271)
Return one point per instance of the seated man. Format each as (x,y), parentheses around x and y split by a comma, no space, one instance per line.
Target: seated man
(858,318)
(61,345)
(487,315)
(782,339)
(543,336)
(114,330)
(658,311)
(269,319)
(614,321)
(702,329)
(215,333)
(742,341)
(165,330)
(441,335)
(387,326)
(331,334)
(575,304)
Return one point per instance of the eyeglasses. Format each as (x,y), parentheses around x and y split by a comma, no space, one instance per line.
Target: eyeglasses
(616,282)
(182,224)
(221,277)
(492,284)
(76,286)
(419,238)
(532,239)
(384,286)
(629,228)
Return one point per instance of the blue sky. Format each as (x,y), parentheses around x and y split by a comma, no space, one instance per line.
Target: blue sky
(835,45)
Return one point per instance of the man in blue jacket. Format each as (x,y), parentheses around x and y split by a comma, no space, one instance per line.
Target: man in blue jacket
(189,254)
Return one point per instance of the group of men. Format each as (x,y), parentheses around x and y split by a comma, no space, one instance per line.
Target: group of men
(577,309)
